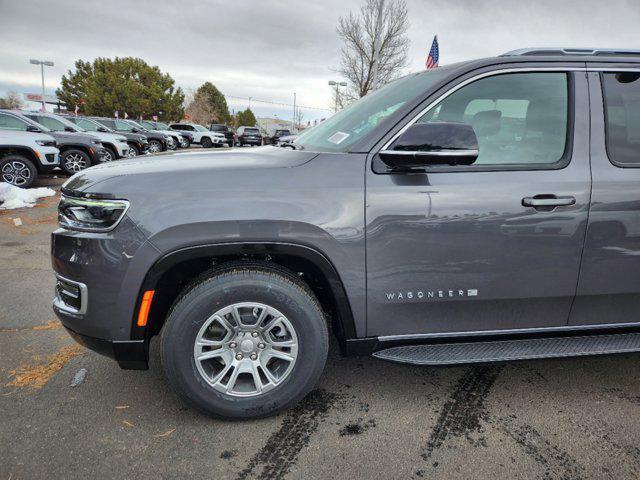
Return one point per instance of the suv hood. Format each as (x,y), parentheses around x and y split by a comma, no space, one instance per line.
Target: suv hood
(181,168)
(73,136)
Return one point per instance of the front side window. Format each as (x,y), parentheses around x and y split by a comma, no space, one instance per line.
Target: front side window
(86,124)
(200,128)
(51,123)
(8,122)
(123,126)
(622,115)
(518,118)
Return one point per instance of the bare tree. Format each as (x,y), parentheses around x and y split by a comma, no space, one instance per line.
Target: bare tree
(387,20)
(11,101)
(199,108)
(299,116)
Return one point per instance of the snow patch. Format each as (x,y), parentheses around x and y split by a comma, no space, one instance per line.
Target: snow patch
(13,197)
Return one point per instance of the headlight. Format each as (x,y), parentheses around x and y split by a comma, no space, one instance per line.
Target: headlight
(89,215)
(46,143)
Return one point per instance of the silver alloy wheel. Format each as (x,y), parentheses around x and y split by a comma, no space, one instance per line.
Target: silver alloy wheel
(16,173)
(245,349)
(107,156)
(184,143)
(154,147)
(171,143)
(75,162)
(132,153)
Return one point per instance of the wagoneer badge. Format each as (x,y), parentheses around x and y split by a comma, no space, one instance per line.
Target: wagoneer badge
(430,294)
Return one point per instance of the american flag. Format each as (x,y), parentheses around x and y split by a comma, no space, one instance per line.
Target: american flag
(434,54)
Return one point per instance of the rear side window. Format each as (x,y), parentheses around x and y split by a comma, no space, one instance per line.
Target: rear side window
(622,117)
(520,119)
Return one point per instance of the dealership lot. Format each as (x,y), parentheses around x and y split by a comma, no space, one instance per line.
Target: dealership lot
(561,419)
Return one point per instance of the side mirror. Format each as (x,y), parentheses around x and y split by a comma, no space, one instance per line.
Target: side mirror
(33,128)
(135,130)
(68,129)
(434,143)
(102,129)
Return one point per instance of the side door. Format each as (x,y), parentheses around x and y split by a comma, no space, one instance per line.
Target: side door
(609,287)
(495,245)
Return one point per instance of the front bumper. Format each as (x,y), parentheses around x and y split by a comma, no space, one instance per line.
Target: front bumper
(251,141)
(130,354)
(108,270)
(122,149)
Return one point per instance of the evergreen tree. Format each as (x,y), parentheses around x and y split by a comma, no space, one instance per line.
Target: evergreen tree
(124,84)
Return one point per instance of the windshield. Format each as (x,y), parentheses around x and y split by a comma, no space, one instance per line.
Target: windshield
(162,126)
(148,124)
(251,130)
(200,128)
(343,129)
(86,125)
(69,123)
(283,132)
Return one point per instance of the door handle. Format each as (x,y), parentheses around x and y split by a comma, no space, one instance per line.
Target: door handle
(548,201)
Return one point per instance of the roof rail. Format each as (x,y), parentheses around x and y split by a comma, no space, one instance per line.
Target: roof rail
(591,52)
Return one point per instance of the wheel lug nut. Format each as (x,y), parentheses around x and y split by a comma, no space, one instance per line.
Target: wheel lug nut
(254,334)
(233,345)
(254,356)
(239,356)
(261,345)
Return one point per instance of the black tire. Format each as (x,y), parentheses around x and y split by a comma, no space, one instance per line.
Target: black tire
(18,171)
(134,151)
(277,289)
(206,142)
(155,146)
(73,161)
(185,143)
(110,156)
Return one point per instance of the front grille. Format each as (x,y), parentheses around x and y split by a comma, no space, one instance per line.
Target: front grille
(51,157)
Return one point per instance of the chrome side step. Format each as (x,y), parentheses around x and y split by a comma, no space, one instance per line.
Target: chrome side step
(508,350)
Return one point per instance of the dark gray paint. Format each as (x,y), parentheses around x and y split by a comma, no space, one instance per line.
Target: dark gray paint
(446,230)
(609,287)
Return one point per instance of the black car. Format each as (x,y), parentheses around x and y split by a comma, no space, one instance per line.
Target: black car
(181,139)
(225,130)
(77,150)
(138,143)
(249,136)
(278,135)
(157,141)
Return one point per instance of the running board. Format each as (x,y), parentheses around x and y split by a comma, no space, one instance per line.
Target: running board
(508,350)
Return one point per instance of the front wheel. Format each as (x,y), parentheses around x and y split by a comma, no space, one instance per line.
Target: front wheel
(155,146)
(133,151)
(244,343)
(73,161)
(109,155)
(18,171)
(206,142)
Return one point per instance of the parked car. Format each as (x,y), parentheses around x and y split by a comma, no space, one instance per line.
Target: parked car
(249,136)
(24,154)
(171,139)
(201,135)
(287,141)
(138,143)
(278,134)
(224,130)
(180,139)
(387,222)
(115,145)
(77,150)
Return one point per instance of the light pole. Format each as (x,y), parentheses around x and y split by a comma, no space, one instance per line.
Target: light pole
(42,64)
(337,85)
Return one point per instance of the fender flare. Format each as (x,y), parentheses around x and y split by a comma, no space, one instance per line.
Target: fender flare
(345,320)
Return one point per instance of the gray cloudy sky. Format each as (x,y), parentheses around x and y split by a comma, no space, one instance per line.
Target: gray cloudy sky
(267,49)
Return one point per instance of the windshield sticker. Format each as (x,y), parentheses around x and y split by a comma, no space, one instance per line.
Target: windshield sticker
(338,137)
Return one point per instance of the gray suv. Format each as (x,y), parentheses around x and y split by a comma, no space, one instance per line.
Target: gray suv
(482,211)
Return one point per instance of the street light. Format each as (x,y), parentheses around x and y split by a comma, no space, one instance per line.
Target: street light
(42,64)
(337,85)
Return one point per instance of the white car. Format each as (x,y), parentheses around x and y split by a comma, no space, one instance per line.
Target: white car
(23,155)
(201,135)
(115,144)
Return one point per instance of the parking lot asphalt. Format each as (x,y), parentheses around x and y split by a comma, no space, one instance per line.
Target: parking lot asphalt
(558,419)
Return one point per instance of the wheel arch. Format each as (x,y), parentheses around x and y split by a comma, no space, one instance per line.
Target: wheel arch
(175,270)
(24,150)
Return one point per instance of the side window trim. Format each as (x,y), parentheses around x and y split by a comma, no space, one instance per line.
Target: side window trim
(601,72)
(562,163)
